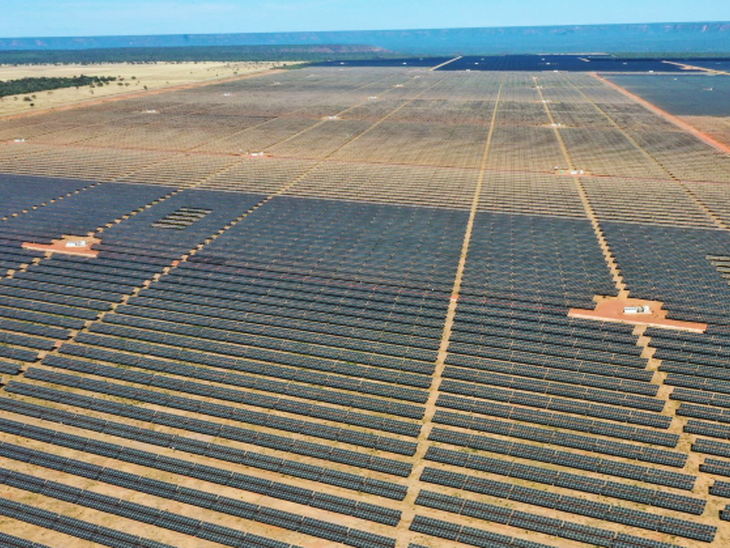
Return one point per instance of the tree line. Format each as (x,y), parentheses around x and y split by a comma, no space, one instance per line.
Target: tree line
(43,83)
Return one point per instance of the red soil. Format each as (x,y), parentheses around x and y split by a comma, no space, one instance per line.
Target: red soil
(62,246)
(611,309)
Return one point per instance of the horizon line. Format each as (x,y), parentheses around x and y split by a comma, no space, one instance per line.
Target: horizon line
(423,29)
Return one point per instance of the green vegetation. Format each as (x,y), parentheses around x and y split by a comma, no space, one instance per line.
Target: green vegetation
(196,54)
(31,85)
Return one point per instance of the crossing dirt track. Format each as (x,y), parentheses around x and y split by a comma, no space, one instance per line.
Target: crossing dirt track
(330,308)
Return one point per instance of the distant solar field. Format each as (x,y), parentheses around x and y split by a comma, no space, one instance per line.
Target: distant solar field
(685,95)
(330,308)
(571,63)
(531,63)
(406,61)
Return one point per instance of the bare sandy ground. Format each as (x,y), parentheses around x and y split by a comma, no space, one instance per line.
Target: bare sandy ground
(718,127)
(132,77)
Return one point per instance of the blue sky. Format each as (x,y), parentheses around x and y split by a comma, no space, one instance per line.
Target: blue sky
(20,18)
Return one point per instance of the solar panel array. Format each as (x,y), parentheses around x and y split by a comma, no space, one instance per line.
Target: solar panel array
(330,308)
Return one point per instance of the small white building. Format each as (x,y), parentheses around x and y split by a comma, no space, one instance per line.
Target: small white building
(637,310)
